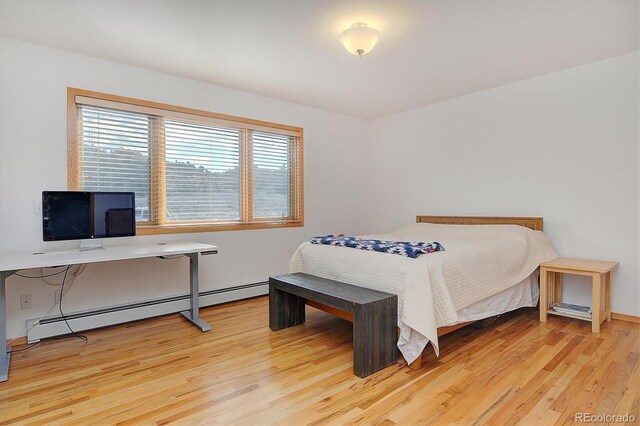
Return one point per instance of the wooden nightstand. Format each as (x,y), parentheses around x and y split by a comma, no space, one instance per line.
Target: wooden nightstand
(551,287)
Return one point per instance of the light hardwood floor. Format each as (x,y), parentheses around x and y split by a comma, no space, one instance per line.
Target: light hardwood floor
(163,371)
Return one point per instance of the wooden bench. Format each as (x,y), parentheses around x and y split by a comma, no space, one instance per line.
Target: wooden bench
(375,315)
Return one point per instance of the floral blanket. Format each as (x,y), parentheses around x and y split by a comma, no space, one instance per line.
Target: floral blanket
(410,249)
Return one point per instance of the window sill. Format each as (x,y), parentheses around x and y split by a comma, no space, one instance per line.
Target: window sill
(191,228)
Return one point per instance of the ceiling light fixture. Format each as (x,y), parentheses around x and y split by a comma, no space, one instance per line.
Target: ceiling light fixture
(359,39)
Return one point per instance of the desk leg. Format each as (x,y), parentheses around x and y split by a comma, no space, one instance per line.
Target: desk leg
(596,302)
(607,302)
(5,356)
(192,313)
(544,294)
(557,287)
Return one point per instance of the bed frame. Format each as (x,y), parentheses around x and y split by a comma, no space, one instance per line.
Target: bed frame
(535,223)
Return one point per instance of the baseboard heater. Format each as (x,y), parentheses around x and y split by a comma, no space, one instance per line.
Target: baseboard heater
(87,320)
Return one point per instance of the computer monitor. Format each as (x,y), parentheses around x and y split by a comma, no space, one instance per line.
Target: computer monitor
(84,215)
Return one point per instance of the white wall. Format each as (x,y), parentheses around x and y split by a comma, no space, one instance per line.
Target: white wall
(33,144)
(563,146)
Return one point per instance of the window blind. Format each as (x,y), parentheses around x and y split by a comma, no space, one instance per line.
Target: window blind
(115,153)
(189,169)
(271,175)
(202,172)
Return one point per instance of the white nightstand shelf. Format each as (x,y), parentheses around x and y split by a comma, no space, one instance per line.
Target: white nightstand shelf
(551,287)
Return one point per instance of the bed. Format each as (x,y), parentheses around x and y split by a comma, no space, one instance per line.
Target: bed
(484,271)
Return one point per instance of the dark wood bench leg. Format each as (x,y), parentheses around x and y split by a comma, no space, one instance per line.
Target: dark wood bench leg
(285,309)
(374,336)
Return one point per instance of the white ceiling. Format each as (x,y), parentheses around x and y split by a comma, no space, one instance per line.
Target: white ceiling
(429,51)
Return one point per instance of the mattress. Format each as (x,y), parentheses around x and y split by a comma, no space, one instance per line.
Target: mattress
(442,288)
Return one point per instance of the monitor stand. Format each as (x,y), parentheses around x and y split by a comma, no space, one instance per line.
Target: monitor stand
(86,245)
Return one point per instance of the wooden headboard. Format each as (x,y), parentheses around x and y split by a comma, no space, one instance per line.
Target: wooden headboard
(534,223)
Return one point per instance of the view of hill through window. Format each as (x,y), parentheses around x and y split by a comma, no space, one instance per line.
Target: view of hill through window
(194,192)
(202,175)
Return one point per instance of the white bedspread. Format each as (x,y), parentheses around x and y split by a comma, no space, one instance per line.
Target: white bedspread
(479,261)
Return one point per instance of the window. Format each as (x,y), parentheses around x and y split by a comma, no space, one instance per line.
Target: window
(191,170)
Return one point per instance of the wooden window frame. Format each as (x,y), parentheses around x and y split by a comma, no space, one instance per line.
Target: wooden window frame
(157,195)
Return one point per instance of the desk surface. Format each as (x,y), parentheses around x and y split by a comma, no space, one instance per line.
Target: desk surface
(18,261)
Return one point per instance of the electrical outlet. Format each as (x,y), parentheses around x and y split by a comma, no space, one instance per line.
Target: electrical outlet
(25,301)
(57,296)
(37,207)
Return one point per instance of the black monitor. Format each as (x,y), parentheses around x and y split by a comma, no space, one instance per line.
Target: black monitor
(82,215)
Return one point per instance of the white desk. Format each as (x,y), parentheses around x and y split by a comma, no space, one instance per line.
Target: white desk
(12,263)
